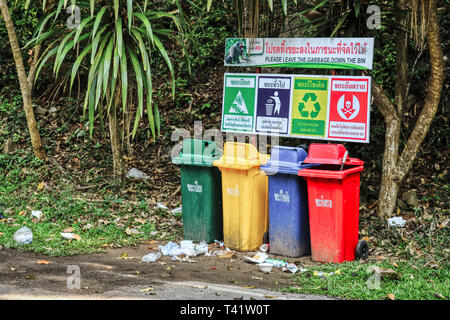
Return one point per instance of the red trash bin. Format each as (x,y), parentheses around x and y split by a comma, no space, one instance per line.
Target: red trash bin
(333,197)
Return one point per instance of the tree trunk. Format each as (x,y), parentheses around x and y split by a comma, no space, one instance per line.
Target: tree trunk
(395,168)
(24,87)
(116,145)
(34,66)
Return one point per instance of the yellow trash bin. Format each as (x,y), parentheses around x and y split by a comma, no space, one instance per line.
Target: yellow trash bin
(244,195)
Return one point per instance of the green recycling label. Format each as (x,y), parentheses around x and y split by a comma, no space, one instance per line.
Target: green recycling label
(238,103)
(309,106)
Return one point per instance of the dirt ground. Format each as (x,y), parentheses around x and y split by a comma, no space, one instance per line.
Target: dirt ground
(118,268)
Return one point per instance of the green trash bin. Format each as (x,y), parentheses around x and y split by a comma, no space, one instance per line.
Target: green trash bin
(201,191)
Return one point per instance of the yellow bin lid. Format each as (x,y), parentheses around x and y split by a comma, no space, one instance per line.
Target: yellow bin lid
(241,156)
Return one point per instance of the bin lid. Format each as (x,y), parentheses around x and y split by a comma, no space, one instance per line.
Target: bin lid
(242,156)
(321,153)
(197,153)
(286,160)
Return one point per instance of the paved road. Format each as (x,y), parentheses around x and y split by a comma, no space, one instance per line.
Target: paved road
(189,290)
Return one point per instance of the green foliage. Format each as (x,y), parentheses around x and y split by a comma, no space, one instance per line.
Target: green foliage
(117,40)
(24,22)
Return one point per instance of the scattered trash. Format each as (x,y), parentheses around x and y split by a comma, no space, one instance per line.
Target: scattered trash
(276,262)
(151,257)
(201,248)
(290,267)
(259,257)
(322,274)
(396,222)
(265,267)
(23,236)
(43,262)
(170,249)
(220,243)
(159,205)
(131,231)
(385,273)
(2,216)
(223,254)
(264,247)
(187,248)
(177,210)
(183,259)
(70,236)
(36,214)
(136,174)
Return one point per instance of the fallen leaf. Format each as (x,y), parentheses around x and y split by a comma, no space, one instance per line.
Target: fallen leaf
(41,185)
(30,276)
(270,297)
(395,264)
(248,287)
(124,255)
(69,230)
(77,237)
(227,254)
(150,242)
(147,290)
(439,296)
(43,262)
(141,221)
(21,213)
(391,296)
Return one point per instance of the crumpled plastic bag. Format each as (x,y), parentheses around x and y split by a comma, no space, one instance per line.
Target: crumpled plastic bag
(23,236)
(151,257)
(170,249)
(396,222)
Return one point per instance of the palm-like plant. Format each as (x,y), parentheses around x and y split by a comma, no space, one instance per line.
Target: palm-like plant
(117,40)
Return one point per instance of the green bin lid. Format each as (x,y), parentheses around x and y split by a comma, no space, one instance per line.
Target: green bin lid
(197,153)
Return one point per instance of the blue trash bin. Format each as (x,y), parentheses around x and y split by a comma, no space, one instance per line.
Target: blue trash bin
(288,202)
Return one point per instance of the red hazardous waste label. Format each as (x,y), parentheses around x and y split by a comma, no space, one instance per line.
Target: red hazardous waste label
(349,109)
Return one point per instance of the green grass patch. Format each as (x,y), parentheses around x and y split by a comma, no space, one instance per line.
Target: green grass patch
(355,280)
(107,221)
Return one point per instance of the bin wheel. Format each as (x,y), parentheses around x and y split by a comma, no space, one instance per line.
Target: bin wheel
(362,250)
(266,237)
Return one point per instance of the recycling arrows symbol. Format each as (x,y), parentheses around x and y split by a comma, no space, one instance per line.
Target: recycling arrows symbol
(302,105)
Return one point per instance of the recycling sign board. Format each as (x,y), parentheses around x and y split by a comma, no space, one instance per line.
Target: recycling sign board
(333,108)
(309,106)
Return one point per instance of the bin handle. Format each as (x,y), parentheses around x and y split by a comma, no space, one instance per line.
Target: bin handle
(344,159)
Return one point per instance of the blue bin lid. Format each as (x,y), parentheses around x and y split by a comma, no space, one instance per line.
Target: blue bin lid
(287,160)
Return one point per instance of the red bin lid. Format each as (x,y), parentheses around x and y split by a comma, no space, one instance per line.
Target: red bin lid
(330,154)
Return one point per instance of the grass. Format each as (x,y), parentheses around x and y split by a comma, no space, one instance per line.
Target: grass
(356,281)
(101,222)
